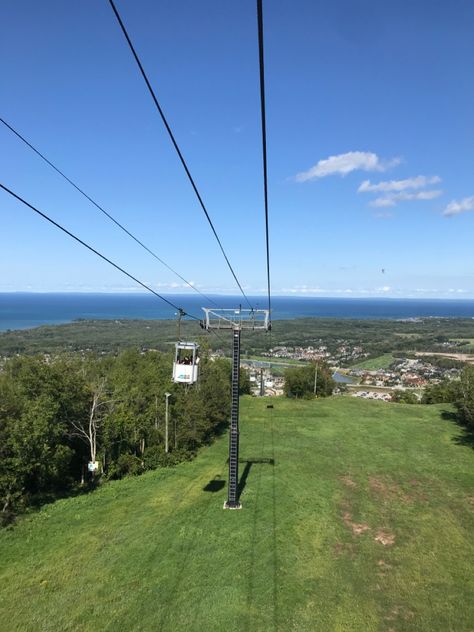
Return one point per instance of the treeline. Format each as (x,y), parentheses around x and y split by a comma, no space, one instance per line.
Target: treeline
(458,392)
(59,416)
(375,336)
(99,336)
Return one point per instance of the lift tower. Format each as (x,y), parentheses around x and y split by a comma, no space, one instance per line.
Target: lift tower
(235,320)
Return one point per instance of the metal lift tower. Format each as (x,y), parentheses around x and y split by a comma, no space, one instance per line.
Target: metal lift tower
(235,320)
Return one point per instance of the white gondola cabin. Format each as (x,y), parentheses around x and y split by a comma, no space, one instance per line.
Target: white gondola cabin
(186,363)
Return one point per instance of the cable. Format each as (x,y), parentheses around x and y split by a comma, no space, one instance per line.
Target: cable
(175,144)
(264,141)
(83,243)
(102,210)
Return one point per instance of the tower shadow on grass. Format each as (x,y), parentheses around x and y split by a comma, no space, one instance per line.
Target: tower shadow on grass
(246,471)
(217,483)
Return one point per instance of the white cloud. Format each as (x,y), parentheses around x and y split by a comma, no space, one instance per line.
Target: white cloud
(382,215)
(421,195)
(342,164)
(393,198)
(422,290)
(303,289)
(418,182)
(306,289)
(382,202)
(462,206)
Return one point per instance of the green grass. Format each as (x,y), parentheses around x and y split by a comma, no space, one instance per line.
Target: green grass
(306,552)
(373,364)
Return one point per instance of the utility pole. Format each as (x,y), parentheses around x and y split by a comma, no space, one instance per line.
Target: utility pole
(262,385)
(167,395)
(235,320)
(315,378)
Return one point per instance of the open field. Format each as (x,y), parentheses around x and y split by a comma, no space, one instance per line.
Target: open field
(285,362)
(461,357)
(352,388)
(373,364)
(356,516)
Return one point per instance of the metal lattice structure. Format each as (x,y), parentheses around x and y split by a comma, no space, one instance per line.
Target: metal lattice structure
(235,320)
(252,319)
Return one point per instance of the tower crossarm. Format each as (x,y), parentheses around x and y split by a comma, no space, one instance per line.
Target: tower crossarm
(228,318)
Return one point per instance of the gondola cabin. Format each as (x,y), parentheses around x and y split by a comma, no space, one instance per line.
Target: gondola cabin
(186,363)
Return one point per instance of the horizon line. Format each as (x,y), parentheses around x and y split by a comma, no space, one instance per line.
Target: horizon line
(340,295)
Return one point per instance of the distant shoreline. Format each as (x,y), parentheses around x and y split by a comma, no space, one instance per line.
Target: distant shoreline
(27,310)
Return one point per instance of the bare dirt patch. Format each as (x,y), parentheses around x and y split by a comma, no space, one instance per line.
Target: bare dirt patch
(380,487)
(348,482)
(385,537)
(390,491)
(357,528)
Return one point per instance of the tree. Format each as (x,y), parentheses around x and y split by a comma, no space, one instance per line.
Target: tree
(465,401)
(299,381)
(404,397)
(137,382)
(447,391)
(38,400)
(87,430)
(56,413)
(245,386)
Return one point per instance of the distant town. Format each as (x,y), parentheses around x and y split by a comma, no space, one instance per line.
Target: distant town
(354,373)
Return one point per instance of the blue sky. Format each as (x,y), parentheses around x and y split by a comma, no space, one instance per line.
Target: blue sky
(370,121)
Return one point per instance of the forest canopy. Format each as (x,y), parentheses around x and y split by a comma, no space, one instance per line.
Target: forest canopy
(59,415)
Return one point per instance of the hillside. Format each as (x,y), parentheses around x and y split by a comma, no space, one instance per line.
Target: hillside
(356,516)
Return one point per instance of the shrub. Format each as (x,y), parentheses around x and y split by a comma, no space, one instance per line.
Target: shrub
(126,464)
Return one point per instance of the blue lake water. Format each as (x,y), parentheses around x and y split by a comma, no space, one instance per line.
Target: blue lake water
(25,310)
(342,379)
